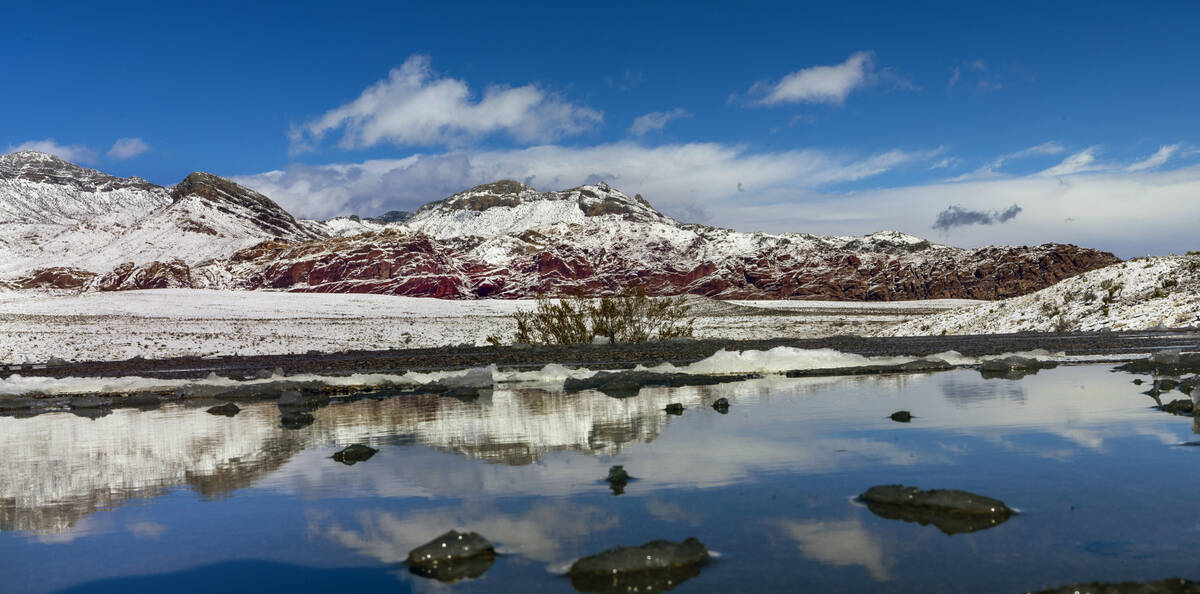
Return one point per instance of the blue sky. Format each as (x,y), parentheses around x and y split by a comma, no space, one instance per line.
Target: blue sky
(772,116)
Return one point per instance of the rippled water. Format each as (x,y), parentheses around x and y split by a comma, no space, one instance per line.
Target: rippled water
(179,499)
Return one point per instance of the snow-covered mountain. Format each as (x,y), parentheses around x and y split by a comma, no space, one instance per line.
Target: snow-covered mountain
(508,240)
(57,214)
(503,239)
(1141,294)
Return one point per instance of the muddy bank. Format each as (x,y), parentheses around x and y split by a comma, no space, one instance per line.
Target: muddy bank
(1113,344)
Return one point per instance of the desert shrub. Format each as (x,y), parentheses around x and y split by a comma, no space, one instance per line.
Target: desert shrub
(631,316)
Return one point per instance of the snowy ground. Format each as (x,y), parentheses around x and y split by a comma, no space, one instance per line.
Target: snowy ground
(36,326)
(1160,292)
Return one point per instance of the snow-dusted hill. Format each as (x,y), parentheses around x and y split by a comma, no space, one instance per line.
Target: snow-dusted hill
(1161,292)
(57,214)
(508,240)
(60,223)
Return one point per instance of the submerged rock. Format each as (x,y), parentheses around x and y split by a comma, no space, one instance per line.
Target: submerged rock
(1178,407)
(674,408)
(228,409)
(721,405)
(950,510)
(1167,586)
(1171,363)
(294,419)
(353,454)
(617,479)
(452,556)
(1013,367)
(901,416)
(917,366)
(623,384)
(655,566)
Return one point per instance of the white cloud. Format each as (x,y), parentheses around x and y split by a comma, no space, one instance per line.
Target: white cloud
(413,106)
(820,84)
(127,148)
(75,153)
(992,168)
(1158,159)
(656,120)
(1080,162)
(680,179)
(947,163)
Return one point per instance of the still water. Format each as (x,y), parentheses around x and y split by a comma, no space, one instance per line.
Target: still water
(176,499)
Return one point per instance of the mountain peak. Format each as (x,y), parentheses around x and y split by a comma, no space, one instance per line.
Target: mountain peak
(41,167)
(508,206)
(226,195)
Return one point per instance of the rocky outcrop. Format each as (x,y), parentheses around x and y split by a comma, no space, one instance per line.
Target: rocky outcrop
(151,275)
(57,277)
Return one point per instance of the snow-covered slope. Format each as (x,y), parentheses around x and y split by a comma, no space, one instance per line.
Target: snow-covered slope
(506,239)
(56,214)
(1161,292)
(503,239)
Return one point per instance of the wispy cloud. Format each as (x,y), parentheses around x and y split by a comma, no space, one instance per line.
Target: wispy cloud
(414,106)
(656,120)
(1158,159)
(946,163)
(819,84)
(992,168)
(1080,162)
(127,148)
(75,152)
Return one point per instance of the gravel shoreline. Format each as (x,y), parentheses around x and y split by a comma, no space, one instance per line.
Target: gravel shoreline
(1117,345)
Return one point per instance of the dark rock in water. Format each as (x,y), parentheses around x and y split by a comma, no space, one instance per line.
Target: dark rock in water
(228,409)
(1166,384)
(354,454)
(92,413)
(623,384)
(917,366)
(653,567)
(302,400)
(1164,363)
(951,511)
(1138,382)
(901,416)
(1013,367)
(1178,407)
(1167,586)
(141,400)
(19,403)
(617,479)
(721,405)
(452,556)
(1189,385)
(90,402)
(674,408)
(294,419)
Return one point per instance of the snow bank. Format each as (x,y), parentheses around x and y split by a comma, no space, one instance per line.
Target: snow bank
(1160,292)
(774,361)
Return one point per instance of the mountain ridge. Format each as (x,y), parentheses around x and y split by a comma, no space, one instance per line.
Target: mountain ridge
(503,239)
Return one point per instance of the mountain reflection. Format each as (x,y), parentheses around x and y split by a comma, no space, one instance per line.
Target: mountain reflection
(56,469)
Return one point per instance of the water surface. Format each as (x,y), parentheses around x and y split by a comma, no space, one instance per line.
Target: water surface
(181,499)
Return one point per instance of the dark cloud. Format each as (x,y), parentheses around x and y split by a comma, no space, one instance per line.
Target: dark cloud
(957,216)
